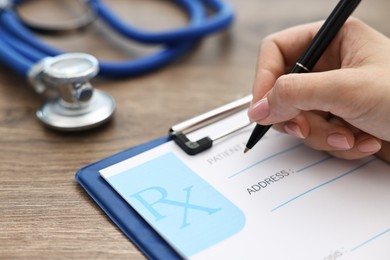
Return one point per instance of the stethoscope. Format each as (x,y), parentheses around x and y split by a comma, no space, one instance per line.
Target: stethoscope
(64,78)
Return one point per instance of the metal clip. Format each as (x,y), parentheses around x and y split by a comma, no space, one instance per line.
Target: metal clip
(179,132)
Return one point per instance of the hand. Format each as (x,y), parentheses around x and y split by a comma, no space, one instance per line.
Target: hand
(343,105)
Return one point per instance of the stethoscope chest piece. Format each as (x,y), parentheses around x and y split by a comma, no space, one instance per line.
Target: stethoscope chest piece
(99,110)
(72,103)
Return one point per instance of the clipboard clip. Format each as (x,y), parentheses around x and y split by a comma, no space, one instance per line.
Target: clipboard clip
(179,132)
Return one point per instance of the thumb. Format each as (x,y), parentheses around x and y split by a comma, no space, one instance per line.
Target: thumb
(293,93)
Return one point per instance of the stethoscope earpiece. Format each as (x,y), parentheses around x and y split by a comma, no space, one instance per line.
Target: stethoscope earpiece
(72,103)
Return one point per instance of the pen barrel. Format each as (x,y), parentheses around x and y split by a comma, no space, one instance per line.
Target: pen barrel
(326,34)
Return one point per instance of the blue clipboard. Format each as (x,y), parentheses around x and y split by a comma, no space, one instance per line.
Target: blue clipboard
(119,211)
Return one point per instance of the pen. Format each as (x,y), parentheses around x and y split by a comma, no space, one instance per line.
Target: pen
(313,52)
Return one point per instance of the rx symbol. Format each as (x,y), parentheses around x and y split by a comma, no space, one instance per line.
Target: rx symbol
(162,199)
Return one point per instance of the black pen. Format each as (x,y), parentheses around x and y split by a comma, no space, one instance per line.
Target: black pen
(313,53)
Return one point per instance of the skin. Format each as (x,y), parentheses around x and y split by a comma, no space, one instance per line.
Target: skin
(343,105)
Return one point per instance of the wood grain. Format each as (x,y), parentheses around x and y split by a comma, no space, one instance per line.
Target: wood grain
(44,214)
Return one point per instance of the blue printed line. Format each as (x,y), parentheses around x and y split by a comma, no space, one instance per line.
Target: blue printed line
(370,240)
(323,184)
(314,164)
(267,158)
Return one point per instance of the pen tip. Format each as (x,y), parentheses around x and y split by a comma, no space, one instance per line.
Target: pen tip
(246,150)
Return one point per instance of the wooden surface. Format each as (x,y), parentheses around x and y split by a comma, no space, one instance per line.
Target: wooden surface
(44,213)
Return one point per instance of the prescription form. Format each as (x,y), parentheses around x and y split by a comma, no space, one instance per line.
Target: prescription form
(281,200)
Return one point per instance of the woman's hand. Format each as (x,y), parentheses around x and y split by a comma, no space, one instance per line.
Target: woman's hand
(343,105)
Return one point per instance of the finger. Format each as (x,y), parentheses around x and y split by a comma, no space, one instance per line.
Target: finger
(327,135)
(365,145)
(278,53)
(335,136)
(294,93)
(298,127)
(319,133)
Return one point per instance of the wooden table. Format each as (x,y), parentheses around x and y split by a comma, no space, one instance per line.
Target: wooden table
(44,213)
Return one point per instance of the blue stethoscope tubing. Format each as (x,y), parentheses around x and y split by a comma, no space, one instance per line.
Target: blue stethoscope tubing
(20,49)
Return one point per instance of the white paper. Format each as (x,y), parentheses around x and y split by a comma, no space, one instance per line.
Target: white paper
(281,200)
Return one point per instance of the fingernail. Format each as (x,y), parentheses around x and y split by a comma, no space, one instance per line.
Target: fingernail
(293,129)
(370,145)
(338,141)
(259,110)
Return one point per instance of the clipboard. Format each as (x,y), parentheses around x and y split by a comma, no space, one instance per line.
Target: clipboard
(136,229)
(285,165)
